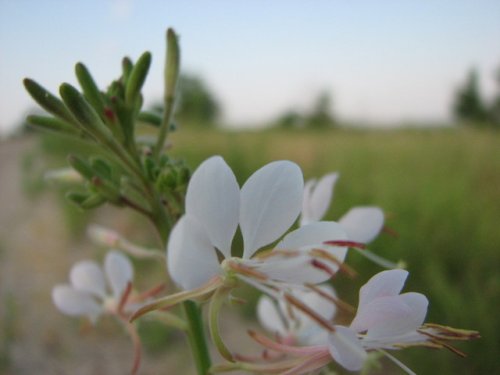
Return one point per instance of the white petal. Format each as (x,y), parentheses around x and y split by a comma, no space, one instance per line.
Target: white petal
(213,197)
(71,301)
(293,270)
(320,197)
(346,349)
(306,214)
(270,203)
(383,284)
(418,304)
(391,317)
(191,258)
(119,272)
(313,236)
(269,316)
(87,276)
(383,316)
(363,224)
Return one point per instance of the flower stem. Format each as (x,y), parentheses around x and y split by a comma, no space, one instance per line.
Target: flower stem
(196,336)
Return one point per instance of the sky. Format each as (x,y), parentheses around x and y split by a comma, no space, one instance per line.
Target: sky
(385,62)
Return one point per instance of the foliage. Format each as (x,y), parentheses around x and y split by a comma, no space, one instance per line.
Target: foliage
(196,104)
(318,117)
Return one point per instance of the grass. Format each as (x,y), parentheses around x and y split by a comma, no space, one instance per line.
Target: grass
(440,190)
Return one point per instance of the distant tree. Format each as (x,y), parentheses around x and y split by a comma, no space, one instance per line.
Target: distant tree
(494,112)
(469,106)
(196,103)
(290,119)
(321,114)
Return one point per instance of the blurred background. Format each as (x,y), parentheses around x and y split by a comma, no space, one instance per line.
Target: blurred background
(402,98)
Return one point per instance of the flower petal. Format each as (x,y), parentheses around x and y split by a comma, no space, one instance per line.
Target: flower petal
(346,349)
(71,301)
(363,224)
(318,198)
(191,258)
(119,272)
(269,316)
(213,197)
(87,276)
(383,284)
(270,202)
(391,317)
(418,304)
(313,236)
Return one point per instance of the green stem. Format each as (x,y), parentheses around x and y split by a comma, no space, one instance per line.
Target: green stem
(196,336)
(166,120)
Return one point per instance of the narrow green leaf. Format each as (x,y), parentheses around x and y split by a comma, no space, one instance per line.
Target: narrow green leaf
(85,200)
(89,87)
(52,124)
(101,167)
(93,201)
(149,118)
(47,101)
(83,111)
(137,78)
(81,166)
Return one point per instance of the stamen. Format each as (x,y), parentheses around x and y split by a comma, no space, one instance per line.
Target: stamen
(450,333)
(275,252)
(321,253)
(355,244)
(312,314)
(336,301)
(436,340)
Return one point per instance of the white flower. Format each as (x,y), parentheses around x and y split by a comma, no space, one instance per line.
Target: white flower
(88,294)
(362,224)
(265,208)
(385,319)
(292,324)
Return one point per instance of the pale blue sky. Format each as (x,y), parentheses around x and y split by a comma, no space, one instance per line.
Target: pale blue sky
(384,61)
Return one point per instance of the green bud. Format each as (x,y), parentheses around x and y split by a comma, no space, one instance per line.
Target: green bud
(52,124)
(137,78)
(172,65)
(150,118)
(167,181)
(81,166)
(83,111)
(89,87)
(47,101)
(127,66)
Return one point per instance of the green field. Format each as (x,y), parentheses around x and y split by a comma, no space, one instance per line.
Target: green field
(440,190)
